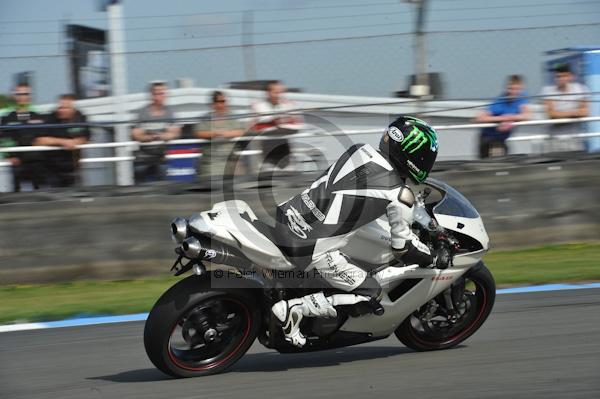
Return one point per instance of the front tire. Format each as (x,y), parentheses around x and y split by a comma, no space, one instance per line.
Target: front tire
(476,295)
(194,330)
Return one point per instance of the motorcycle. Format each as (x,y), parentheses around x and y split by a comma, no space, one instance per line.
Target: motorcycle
(206,322)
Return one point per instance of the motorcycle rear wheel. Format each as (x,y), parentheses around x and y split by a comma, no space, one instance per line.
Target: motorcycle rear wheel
(476,304)
(194,330)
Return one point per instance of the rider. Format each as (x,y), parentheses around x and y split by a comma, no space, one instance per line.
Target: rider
(361,186)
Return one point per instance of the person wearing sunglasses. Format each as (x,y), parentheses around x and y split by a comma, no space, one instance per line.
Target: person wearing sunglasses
(27,166)
(218,125)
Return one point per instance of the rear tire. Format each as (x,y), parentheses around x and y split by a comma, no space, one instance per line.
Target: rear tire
(175,316)
(412,334)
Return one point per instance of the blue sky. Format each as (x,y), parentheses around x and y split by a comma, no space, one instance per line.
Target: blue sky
(473,64)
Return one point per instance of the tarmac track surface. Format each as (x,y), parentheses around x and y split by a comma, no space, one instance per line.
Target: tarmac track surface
(536,345)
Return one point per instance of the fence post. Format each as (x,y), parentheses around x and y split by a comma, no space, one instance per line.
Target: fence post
(118,82)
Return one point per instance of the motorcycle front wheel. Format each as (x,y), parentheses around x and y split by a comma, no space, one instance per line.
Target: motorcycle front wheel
(194,330)
(434,326)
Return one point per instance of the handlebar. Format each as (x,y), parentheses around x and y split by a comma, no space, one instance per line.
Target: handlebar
(437,236)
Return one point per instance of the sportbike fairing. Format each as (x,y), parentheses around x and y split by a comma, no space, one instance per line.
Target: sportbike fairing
(371,243)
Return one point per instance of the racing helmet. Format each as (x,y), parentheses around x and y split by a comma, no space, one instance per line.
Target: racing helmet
(411,146)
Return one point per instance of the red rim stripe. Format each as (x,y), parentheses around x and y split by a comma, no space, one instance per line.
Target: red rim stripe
(216,364)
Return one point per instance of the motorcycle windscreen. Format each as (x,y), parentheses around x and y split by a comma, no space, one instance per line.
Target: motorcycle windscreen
(454,204)
(454,212)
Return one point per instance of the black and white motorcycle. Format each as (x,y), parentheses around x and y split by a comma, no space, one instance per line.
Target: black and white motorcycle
(206,322)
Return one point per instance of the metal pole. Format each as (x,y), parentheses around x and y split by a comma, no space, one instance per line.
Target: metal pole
(118,85)
(421,89)
(247,25)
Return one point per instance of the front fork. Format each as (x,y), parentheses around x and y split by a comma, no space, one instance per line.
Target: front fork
(452,298)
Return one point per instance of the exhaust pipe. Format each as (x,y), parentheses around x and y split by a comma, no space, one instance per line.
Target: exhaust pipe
(219,253)
(192,248)
(179,229)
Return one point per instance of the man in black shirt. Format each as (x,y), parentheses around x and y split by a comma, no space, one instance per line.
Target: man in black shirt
(61,166)
(27,166)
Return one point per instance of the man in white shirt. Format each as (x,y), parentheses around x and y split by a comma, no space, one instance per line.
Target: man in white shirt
(566,99)
(275,121)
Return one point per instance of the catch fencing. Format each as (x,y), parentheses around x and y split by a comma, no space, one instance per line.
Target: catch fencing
(347,54)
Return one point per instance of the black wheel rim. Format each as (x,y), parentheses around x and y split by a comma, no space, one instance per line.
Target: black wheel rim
(209,334)
(447,328)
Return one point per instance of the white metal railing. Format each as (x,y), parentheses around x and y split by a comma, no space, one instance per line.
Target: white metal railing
(106,159)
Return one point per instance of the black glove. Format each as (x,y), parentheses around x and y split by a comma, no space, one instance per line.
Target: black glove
(411,255)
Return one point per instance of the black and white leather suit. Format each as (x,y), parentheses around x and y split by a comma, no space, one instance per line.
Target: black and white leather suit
(360,187)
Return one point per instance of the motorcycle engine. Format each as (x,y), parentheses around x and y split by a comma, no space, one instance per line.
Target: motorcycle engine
(322,326)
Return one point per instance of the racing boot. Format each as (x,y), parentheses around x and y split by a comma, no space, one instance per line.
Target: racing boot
(291,312)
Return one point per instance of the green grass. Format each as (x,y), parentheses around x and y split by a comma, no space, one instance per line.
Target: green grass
(58,301)
(558,263)
(550,264)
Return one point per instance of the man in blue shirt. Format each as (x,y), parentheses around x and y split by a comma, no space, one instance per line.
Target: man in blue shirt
(508,108)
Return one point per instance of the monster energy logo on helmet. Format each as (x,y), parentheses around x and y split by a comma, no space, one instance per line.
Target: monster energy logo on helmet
(417,137)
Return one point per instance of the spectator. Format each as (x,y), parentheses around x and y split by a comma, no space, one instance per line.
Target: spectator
(155,123)
(276,122)
(61,166)
(565,99)
(511,106)
(218,159)
(27,166)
